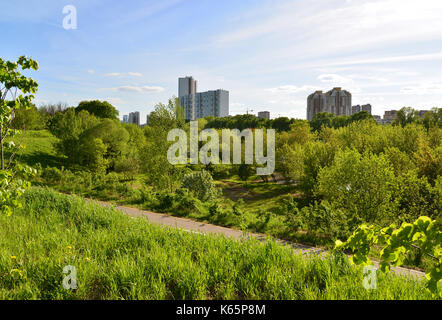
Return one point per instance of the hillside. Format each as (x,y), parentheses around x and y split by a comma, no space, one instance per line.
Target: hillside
(118,257)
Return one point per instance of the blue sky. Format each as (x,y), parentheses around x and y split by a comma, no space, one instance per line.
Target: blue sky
(269,54)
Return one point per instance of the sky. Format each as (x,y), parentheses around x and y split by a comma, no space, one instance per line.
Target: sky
(270,55)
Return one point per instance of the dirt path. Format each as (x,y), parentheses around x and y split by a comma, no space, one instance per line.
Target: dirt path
(205,228)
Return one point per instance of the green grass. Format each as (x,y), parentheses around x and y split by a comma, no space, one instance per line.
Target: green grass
(118,257)
(39,147)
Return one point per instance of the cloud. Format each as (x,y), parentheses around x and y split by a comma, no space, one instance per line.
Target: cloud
(419,89)
(140,89)
(115,101)
(123,74)
(291,89)
(135,74)
(113,74)
(91,71)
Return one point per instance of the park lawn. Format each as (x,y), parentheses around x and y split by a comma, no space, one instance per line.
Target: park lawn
(38,147)
(119,257)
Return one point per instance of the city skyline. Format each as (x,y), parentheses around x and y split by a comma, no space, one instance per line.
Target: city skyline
(268,54)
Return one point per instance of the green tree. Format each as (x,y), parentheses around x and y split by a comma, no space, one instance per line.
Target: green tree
(406,115)
(28,118)
(16,92)
(361,185)
(158,171)
(245,171)
(109,133)
(322,119)
(201,184)
(100,109)
(289,162)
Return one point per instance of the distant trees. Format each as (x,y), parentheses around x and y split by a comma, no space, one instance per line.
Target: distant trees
(100,109)
(325,119)
(406,115)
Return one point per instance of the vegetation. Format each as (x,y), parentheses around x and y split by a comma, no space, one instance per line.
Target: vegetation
(118,257)
(16,92)
(334,176)
(423,234)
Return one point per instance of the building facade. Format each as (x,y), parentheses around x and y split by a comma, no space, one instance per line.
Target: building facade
(359,108)
(125,118)
(134,118)
(198,105)
(186,86)
(336,101)
(264,115)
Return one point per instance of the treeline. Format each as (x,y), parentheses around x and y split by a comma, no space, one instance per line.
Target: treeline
(348,172)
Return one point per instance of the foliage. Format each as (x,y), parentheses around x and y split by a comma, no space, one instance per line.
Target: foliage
(118,257)
(12,82)
(423,233)
(201,184)
(159,172)
(361,185)
(100,109)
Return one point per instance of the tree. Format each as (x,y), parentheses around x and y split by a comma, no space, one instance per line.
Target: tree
(16,91)
(100,109)
(158,171)
(423,234)
(289,162)
(321,119)
(201,184)
(108,133)
(406,115)
(68,127)
(245,171)
(361,185)
(28,118)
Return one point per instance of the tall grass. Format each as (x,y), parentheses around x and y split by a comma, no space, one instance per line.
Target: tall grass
(118,257)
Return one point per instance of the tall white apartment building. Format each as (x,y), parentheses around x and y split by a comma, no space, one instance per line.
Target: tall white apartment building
(201,104)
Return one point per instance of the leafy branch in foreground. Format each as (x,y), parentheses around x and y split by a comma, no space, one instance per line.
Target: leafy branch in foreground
(423,234)
(16,92)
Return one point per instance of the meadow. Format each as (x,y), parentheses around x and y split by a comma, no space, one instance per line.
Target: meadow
(119,257)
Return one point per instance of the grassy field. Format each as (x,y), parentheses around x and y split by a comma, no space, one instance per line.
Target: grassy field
(118,257)
(39,147)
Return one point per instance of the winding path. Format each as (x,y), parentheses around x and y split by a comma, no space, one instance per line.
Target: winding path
(206,228)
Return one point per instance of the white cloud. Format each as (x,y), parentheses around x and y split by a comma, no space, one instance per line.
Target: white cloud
(420,89)
(123,74)
(135,74)
(113,74)
(91,71)
(291,89)
(140,89)
(115,101)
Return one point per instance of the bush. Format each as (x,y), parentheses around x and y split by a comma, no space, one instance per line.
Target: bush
(201,184)
(361,185)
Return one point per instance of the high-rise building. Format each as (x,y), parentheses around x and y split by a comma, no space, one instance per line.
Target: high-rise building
(389,116)
(125,118)
(359,108)
(264,115)
(336,101)
(201,104)
(187,86)
(134,118)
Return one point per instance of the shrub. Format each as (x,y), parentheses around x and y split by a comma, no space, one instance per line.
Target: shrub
(201,184)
